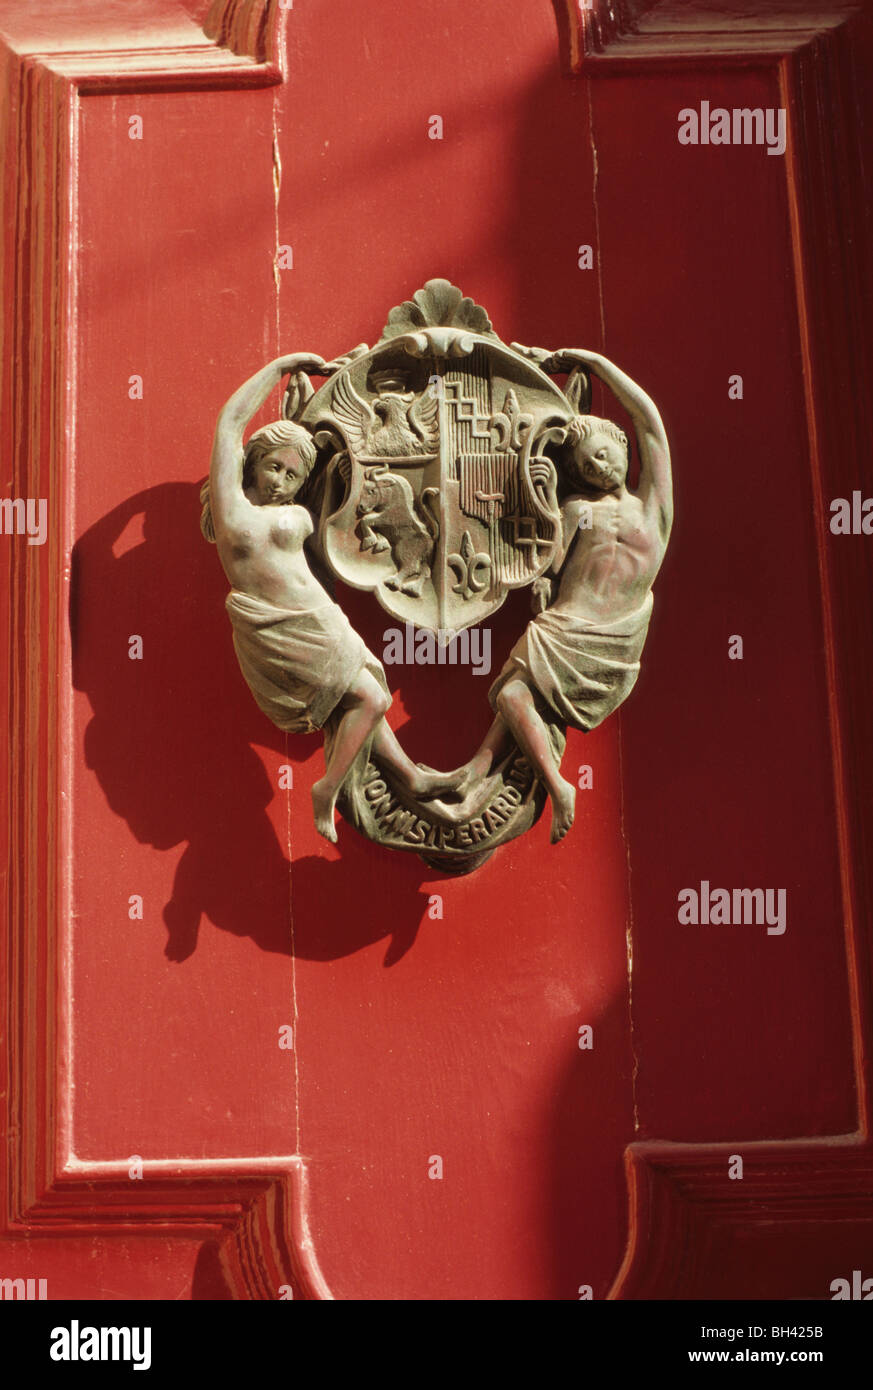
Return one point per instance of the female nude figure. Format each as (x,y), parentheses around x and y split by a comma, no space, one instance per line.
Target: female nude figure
(304,663)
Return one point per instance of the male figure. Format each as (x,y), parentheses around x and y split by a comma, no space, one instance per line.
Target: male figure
(579,659)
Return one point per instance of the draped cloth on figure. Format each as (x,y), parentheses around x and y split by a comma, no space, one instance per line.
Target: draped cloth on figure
(582,670)
(298,662)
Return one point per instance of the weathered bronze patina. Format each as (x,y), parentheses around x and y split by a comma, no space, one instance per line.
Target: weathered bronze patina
(439,470)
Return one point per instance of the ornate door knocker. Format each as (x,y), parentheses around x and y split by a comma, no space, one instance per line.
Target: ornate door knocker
(439,470)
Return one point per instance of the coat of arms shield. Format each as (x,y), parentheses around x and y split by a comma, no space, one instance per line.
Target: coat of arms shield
(436,464)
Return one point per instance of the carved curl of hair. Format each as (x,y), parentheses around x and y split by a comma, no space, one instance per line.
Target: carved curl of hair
(583,426)
(277,435)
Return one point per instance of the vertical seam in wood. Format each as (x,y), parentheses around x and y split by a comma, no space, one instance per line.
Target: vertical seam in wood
(788,97)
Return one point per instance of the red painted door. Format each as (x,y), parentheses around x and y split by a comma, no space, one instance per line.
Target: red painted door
(236,1053)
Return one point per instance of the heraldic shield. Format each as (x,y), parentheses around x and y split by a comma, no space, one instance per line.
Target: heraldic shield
(436,479)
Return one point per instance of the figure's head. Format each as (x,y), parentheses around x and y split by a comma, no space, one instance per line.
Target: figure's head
(600,452)
(278,460)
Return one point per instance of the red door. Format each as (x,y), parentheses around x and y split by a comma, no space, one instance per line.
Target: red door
(235,1052)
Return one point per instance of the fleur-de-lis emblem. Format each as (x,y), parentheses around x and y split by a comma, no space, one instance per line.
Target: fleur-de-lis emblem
(511,425)
(472,568)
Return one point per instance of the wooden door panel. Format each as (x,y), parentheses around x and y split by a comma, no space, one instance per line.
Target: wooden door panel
(158,1039)
(717,787)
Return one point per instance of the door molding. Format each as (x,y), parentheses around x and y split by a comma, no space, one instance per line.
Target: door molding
(682,1206)
(603,36)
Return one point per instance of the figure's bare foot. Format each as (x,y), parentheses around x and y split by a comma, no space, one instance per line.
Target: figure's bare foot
(323,803)
(458,812)
(428,782)
(469,777)
(563,810)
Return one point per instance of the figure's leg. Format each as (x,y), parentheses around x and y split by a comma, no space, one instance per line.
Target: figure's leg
(471,783)
(364,703)
(421,782)
(474,783)
(370,539)
(494,745)
(515,703)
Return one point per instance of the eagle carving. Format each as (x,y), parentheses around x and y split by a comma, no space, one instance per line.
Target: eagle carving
(397,425)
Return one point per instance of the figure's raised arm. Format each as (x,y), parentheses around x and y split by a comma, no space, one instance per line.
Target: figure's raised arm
(656,478)
(226,469)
